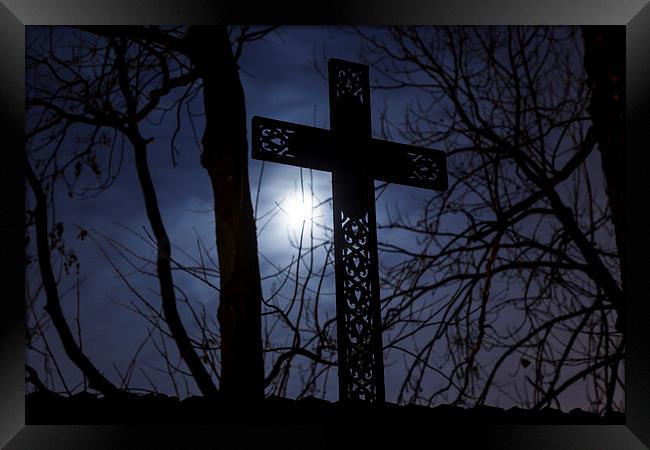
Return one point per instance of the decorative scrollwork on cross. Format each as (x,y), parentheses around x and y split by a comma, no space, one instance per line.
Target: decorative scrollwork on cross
(357,292)
(349,84)
(354,159)
(424,168)
(275,140)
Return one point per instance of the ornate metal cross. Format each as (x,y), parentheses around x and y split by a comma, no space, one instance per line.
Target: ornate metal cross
(355,160)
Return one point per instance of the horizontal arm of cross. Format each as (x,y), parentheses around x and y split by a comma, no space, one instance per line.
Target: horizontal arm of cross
(292,144)
(408,165)
(315,148)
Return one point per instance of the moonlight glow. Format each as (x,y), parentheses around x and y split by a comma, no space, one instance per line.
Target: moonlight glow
(298,209)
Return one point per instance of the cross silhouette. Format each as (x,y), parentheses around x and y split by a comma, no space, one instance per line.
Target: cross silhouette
(355,160)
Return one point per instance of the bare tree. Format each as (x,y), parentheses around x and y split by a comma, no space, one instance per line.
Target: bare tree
(100,84)
(114,78)
(511,288)
(604,63)
(515,270)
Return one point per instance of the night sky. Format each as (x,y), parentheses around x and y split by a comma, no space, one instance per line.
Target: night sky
(280,79)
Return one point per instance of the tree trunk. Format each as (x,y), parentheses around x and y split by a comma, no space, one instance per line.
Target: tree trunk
(96,380)
(164,272)
(224,156)
(604,61)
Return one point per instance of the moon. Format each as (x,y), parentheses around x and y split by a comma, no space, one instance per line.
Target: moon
(298,209)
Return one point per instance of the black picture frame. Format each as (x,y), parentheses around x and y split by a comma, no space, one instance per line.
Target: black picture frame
(15,14)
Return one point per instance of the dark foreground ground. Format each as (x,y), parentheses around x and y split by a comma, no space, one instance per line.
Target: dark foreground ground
(85,408)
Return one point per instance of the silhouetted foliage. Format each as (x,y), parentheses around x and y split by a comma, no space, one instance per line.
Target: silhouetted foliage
(108,80)
(509,284)
(515,268)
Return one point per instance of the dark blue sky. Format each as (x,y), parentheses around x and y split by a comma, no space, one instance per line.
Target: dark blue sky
(280,81)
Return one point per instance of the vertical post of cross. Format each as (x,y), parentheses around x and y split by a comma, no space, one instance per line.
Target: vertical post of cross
(360,348)
(355,160)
